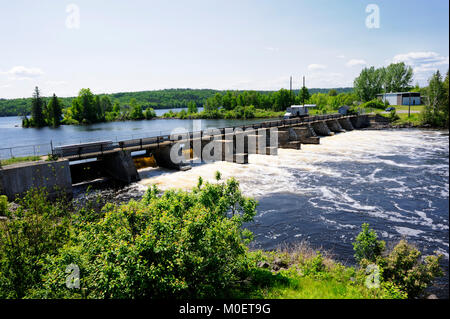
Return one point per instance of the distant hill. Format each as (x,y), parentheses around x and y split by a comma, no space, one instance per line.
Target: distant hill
(158,99)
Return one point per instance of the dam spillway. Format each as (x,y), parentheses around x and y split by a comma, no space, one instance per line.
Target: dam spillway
(231,144)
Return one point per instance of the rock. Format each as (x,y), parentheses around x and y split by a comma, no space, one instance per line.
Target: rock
(432,296)
(280,263)
(275,268)
(263,264)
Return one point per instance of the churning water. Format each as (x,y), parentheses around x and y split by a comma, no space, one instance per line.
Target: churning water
(395,180)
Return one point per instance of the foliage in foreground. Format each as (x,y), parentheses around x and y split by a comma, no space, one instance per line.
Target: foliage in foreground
(403,267)
(178,245)
(182,244)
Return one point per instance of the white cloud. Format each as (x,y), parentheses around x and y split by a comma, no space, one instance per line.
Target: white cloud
(314,67)
(423,63)
(55,83)
(356,62)
(272,49)
(340,56)
(21,72)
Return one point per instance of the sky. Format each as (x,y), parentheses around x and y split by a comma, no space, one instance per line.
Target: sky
(121,46)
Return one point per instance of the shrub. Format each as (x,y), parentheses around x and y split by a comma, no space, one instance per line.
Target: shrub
(374,104)
(181,244)
(393,116)
(37,228)
(403,267)
(367,246)
(402,270)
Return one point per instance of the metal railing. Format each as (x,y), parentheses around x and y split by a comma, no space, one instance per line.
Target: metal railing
(144,138)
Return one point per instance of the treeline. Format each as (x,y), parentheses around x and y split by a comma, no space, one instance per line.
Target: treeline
(158,99)
(245,104)
(436,112)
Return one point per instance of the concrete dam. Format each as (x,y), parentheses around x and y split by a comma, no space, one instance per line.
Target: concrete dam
(121,160)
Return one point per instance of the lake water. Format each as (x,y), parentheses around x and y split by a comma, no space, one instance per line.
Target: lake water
(23,141)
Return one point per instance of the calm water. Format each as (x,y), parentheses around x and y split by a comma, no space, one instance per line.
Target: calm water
(21,139)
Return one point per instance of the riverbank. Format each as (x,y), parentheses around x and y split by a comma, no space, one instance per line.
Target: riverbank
(171,225)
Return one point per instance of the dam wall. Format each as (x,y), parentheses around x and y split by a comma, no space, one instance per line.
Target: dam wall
(226,144)
(55,177)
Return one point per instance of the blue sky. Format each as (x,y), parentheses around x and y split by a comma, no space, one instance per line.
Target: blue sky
(146,45)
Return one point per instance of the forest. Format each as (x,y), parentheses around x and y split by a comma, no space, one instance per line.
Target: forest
(157,99)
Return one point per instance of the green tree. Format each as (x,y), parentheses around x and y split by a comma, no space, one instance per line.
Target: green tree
(332,92)
(192,107)
(303,95)
(106,104)
(136,110)
(149,113)
(398,77)
(116,107)
(54,111)
(367,246)
(37,109)
(369,83)
(436,111)
(100,116)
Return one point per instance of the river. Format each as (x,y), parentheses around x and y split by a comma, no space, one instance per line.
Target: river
(395,180)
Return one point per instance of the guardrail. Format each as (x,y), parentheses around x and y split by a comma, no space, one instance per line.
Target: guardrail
(99,147)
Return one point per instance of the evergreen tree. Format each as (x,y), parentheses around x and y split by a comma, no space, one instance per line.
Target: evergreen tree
(304,95)
(54,112)
(37,109)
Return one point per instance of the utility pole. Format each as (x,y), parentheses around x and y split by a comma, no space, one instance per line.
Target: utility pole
(303,96)
(290,89)
(409,105)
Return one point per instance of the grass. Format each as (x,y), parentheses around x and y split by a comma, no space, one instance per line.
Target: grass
(306,274)
(15,160)
(414,119)
(405,107)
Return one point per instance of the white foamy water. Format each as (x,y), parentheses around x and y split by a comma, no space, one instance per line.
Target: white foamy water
(396,180)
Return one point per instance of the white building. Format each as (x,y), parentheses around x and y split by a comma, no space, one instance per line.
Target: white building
(401,98)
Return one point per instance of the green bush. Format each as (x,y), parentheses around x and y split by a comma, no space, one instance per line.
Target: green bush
(36,229)
(393,116)
(374,104)
(403,268)
(367,246)
(181,244)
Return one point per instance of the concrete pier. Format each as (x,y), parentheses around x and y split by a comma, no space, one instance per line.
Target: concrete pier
(305,136)
(334,126)
(120,166)
(163,159)
(360,121)
(321,128)
(346,124)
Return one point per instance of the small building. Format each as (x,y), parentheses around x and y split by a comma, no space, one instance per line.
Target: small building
(344,109)
(401,98)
